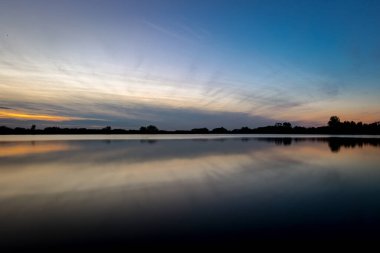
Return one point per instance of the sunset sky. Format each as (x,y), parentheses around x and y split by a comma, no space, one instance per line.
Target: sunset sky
(184,64)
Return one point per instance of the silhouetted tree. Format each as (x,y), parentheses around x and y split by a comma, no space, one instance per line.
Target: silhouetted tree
(334,121)
(33,127)
(105,130)
(245,130)
(219,130)
(152,129)
(149,129)
(287,125)
(199,130)
(6,130)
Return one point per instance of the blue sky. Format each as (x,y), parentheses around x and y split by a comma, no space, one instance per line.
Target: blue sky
(184,64)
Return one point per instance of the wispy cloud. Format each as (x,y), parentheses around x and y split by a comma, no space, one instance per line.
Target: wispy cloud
(67,93)
(171,32)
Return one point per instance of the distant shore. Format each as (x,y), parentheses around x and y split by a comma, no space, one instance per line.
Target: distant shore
(334,127)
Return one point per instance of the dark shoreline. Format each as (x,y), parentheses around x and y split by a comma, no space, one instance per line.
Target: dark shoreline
(334,126)
(263,130)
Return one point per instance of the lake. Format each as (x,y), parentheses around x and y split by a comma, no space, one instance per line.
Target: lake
(81,192)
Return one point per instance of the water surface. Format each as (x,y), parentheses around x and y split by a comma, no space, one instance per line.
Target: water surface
(82,192)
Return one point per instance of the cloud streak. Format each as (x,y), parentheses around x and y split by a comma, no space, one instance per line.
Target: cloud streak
(19,115)
(112,96)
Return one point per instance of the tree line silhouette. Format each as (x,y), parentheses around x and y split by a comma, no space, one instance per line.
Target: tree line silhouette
(334,126)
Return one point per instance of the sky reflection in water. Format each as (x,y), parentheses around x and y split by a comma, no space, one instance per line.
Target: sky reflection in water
(198,190)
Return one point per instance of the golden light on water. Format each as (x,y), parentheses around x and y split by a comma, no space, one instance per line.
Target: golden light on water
(28,149)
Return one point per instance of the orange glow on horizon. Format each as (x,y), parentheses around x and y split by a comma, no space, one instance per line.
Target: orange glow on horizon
(28,116)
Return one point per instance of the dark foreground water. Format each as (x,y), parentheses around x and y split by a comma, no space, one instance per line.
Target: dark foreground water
(62,193)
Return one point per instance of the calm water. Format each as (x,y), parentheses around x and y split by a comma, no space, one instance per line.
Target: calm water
(75,192)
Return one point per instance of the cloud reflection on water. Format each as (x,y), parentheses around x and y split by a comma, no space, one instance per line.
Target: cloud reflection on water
(123,191)
(60,166)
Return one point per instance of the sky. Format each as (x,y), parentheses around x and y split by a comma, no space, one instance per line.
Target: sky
(184,64)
